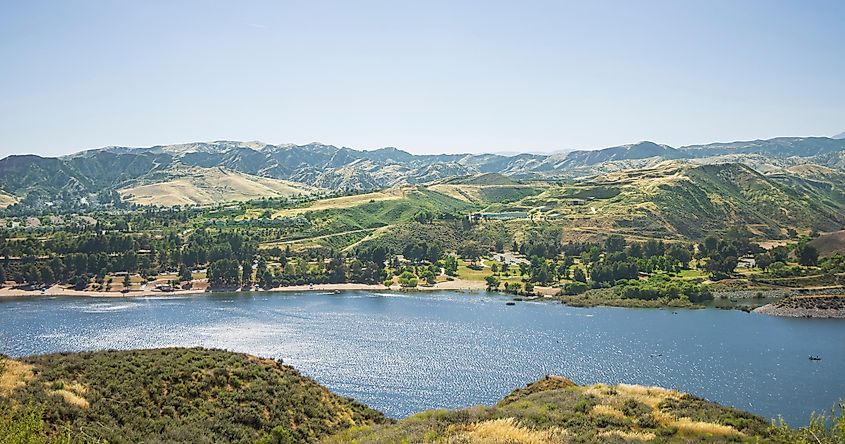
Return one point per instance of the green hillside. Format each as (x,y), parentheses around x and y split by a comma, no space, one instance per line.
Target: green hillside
(172,395)
(341,222)
(555,410)
(680,200)
(483,179)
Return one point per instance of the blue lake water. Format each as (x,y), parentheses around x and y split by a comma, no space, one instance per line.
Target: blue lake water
(406,352)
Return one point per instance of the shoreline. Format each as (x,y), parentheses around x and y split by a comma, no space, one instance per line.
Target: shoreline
(817,307)
(56,290)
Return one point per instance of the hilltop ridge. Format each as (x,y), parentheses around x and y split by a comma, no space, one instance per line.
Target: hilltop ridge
(107,176)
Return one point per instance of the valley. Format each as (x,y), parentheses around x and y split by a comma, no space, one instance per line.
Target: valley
(137,242)
(439,222)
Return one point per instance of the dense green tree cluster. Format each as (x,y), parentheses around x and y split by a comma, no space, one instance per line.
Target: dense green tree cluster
(722,255)
(661,286)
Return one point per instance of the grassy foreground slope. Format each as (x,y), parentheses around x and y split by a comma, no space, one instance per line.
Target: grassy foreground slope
(178,395)
(555,410)
(174,395)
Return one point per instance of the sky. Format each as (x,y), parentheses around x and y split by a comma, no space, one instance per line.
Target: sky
(427,76)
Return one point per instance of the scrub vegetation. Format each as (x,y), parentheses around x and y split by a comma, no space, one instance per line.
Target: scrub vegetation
(200,395)
(167,395)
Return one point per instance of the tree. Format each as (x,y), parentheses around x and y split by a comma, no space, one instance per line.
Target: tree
(529,287)
(377,254)
(680,253)
(47,275)
(471,250)
(127,282)
(763,260)
(709,245)
(223,273)
(653,248)
(80,282)
(246,274)
(578,275)
(429,276)
(635,250)
(492,283)
(265,277)
(614,243)
(2,276)
(184,273)
(573,288)
(408,280)
(779,254)
(807,254)
(717,265)
(450,265)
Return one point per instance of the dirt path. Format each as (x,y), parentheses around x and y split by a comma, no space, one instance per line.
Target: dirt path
(325,236)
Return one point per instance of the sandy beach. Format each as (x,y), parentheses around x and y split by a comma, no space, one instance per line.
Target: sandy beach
(56,290)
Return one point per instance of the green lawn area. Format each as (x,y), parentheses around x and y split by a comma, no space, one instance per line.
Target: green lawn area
(692,274)
(464,272)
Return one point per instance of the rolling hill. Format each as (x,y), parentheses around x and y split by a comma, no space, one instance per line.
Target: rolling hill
(555,410)
(174,395)
(157,175)
(197,185)
(682,200)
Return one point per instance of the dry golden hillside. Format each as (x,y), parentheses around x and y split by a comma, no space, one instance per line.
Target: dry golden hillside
(210,185)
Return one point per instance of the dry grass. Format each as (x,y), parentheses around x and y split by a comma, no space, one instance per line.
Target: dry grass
(73,393)
(650,396)
(210,185)
(13,374)
(686,425)
(466,193)
(71,398)
(7,199)
(347,201)
(507,431)
(606,410)
(628,436)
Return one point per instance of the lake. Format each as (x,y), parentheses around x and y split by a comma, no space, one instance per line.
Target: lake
(406,352)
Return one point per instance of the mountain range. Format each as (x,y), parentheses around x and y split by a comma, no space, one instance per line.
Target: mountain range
(204,172)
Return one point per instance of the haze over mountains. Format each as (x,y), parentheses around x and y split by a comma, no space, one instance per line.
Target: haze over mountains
(205,172)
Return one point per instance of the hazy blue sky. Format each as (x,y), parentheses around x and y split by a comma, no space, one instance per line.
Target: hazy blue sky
(425,76)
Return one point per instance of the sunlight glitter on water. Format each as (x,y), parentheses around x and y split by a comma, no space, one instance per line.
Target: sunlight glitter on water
(406,352)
